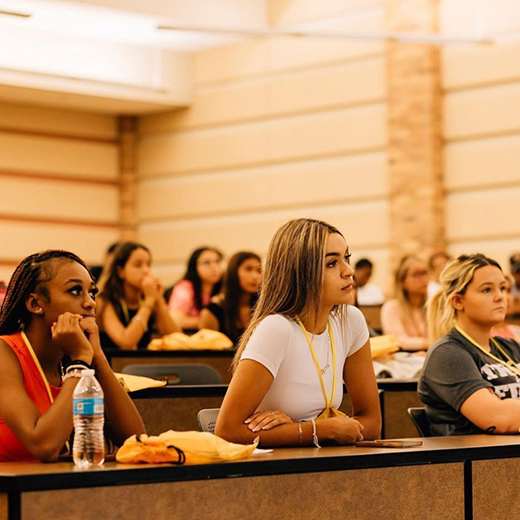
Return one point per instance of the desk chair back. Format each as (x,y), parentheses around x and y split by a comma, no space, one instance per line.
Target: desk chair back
(207,419)
(419,418)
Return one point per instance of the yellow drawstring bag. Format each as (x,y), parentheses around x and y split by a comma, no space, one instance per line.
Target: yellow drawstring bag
(383,345)
(182,448)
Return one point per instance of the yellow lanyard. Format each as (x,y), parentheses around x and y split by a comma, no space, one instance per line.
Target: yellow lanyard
(42,373)
(328,404)
(510,363)
(124,308)
(37,363)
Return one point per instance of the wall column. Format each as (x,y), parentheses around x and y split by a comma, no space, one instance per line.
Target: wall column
(417,223)
(128,178)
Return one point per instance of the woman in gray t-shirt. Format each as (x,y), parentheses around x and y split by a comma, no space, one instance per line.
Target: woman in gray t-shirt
(471,380)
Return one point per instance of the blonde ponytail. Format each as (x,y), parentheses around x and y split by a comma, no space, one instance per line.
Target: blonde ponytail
(440,315)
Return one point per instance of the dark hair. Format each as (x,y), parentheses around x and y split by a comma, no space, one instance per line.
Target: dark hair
(112,286)
(362,263)
(112,247)
(233,291)
(193,276)
(28,277)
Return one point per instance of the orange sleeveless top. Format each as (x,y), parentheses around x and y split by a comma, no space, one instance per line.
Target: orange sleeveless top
(11,449)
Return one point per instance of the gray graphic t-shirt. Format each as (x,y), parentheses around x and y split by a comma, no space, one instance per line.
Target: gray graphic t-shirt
(455,369)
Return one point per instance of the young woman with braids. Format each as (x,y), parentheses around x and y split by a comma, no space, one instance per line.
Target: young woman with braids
(48,316)
(303,342)
(131,303)
(230,311)
(471,380)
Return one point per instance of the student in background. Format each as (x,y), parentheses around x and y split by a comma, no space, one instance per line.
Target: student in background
(504,329)
(201,282)
(96,270)
(131,304)
(405,315)
(436,262)
(514,263)
(366,293)
(230,311)
(303,341)
(48,336)
(470,381)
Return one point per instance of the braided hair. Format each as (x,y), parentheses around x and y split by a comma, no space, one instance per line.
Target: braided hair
(31,272)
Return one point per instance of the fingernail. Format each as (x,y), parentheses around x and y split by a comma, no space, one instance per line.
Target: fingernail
(255,429)
(247,421)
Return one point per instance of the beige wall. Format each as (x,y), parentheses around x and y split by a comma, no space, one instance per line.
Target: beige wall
(59,180)
(279,128)
(482,154)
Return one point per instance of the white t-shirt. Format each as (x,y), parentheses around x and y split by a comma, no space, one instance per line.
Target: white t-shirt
(279,344)
(369,294)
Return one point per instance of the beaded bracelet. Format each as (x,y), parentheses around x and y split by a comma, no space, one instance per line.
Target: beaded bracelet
(76,372)
(315,440)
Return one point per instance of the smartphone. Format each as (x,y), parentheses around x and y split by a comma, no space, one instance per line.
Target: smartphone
(388,444)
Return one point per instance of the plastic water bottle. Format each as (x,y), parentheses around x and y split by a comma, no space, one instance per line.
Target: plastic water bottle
(89,417)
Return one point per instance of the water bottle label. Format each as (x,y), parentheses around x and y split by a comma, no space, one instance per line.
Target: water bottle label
(90,406)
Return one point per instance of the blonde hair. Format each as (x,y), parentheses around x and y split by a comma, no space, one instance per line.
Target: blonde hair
(400,292)
(454,279)
(292,279)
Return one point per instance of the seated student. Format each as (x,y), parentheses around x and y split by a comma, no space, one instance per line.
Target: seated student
(230,311)
(303,341)
(436,262)
(48,313)
(504,329)
(366,293)
(97,270)
(514,263)
(470,381)
(404,316)
(201,282)
(131,303)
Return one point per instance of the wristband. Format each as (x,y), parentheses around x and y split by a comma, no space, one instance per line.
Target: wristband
(315,440)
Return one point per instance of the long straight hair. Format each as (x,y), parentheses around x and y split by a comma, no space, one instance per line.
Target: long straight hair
(401,294)
(232,291)
(192,275)
(30,276)
(454,279)
(292,281)
(111,285)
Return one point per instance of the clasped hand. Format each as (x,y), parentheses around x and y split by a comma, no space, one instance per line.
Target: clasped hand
(76,336)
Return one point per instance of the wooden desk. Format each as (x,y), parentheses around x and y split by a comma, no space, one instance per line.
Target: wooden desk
(218,359)
(176,407)
(441,480)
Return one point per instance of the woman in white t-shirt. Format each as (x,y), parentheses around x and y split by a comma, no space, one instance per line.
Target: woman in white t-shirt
(303,341)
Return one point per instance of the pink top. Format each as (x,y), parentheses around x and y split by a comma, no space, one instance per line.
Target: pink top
(410,334)
(508,332)
(183,299)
